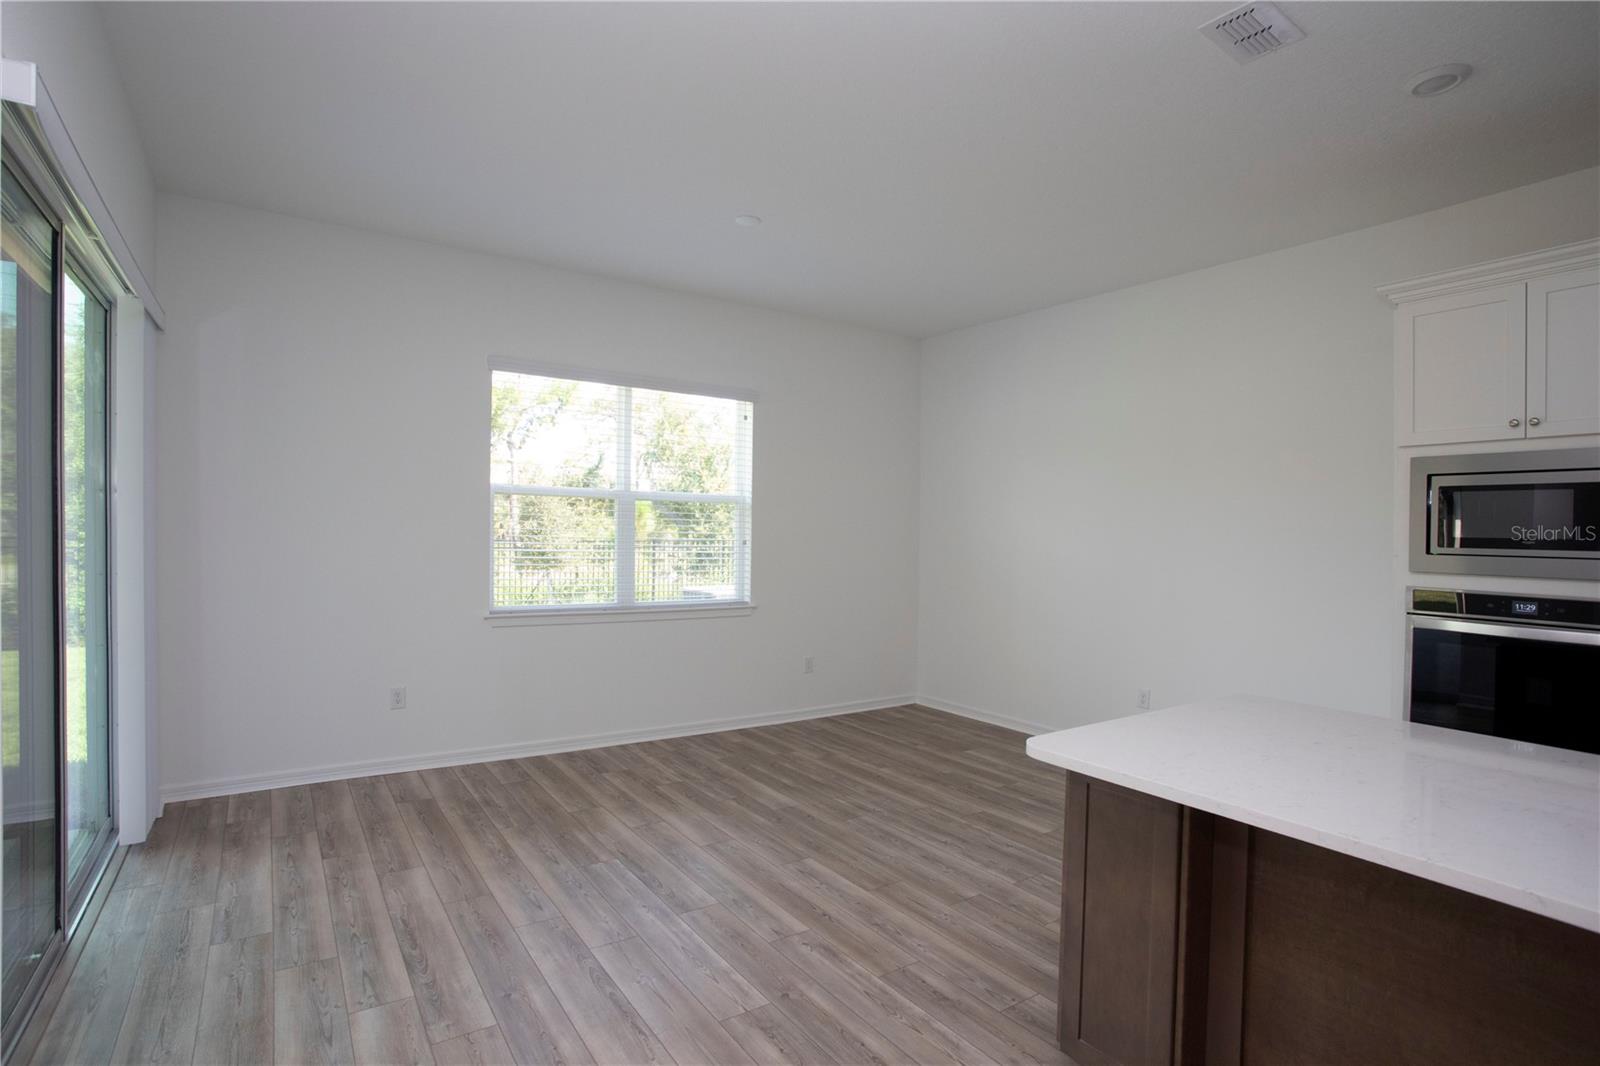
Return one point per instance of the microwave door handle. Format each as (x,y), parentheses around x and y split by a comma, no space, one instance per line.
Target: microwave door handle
(1548,634)
(1438,511)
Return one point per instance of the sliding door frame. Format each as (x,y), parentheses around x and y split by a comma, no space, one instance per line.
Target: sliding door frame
(55,946)
(75,893)
(74,238)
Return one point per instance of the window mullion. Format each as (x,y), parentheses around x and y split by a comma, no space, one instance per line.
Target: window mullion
(626,506)
(741,486)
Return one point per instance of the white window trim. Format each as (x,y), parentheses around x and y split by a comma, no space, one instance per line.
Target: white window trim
(507,617)
(625,610)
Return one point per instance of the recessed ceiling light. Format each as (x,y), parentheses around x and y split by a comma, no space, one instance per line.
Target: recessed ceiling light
(747,221)
(1438,80)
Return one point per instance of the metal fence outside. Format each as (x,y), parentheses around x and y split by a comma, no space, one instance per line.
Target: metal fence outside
(668,569)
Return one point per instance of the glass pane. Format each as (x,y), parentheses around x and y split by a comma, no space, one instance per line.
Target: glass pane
(552,433)
(1540,691)
(554,550)
(85,574)
(684,443)
(686,551)
(1534,517)
(27,587)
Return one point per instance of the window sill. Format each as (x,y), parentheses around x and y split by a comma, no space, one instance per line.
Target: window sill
(565,616)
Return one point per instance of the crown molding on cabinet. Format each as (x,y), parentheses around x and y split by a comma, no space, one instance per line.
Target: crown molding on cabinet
(1495,272)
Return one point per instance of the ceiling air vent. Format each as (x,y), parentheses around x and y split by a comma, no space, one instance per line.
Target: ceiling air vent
(1251,31)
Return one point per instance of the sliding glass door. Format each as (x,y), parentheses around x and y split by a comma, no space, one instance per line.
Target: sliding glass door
(55,537)
(28,669)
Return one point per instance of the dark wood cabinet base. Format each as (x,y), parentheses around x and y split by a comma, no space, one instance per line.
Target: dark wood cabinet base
(1187,938)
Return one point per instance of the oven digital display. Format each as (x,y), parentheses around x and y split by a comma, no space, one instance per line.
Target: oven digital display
(1526,608)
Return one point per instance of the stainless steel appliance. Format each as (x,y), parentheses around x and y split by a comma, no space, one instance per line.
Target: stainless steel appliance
(1522,667)
(1517,514)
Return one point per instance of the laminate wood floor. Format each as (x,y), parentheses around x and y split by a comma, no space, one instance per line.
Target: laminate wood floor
(880,887)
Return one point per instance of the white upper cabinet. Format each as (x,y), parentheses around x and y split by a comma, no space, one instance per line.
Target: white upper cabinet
(1462,366)
(1564,354)
(1500,351)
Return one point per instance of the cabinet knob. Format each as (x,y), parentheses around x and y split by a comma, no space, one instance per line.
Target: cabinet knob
(1534,421)
(1514,423)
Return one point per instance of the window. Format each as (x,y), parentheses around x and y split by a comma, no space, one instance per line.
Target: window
(616,497)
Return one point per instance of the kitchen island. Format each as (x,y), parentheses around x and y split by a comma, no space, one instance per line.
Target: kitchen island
(1254,881)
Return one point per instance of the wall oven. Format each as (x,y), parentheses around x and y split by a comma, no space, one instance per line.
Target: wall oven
(1517,514)
(1522,667)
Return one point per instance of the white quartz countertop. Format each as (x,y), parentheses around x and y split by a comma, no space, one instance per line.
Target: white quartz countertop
(1515,822)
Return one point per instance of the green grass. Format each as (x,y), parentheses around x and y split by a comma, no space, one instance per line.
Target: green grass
(9,741)
(10,708)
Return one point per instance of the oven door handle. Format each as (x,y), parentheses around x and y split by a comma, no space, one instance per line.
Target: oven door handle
(1551,634)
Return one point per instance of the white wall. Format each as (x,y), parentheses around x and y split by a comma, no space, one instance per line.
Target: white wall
(323,504)
(1186,486)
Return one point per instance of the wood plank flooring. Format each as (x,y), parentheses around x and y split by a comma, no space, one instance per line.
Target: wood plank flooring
(880,887)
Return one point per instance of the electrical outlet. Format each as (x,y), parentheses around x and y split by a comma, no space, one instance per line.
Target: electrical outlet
(1144,699)
(397,698)
(810,665)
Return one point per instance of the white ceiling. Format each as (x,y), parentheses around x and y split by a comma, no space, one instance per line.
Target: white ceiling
(920,166)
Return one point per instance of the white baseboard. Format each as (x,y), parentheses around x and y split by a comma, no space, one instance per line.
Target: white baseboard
(258,782)
(1003,720)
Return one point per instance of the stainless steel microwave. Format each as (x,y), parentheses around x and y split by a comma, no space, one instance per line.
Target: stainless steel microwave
(1516,514)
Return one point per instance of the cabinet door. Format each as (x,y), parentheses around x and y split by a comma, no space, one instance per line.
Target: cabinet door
(1564,354)
(1120,880)
(1462,366)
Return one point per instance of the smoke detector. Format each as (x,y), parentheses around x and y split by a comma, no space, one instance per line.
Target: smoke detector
(1250,31)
